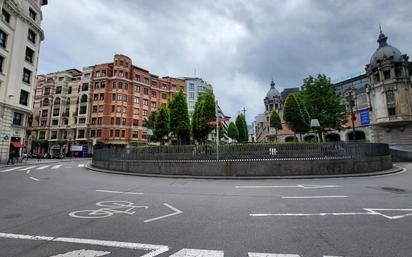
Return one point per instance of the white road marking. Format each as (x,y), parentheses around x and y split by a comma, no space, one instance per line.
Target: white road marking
(118,192)
(81,165)
(42,167)
(155,249)
(197,253)
(28,168)
(176,212)
(297,186)
(14,168)
(314,196)
(272,255)
(35,179)
(380,212)
(27,172)
(82,253)
(56,166)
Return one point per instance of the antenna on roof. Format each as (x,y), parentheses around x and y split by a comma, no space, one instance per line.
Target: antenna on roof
(380,29)
(195,72)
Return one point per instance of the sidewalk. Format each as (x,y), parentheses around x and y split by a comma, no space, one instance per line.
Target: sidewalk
(33,161)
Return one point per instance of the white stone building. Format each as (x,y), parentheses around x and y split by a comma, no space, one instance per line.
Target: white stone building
(20,37)
(195,87)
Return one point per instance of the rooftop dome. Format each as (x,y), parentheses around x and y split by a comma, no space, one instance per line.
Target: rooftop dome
(384,51)
(273,92)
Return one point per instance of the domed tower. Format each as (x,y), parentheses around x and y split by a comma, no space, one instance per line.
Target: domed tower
(390,93)
(272,99)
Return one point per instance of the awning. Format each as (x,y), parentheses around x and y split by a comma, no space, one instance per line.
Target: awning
(16,144)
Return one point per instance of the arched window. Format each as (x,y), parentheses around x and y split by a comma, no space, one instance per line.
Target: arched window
(390,96)
(83,99)
(46,102)
(57,101)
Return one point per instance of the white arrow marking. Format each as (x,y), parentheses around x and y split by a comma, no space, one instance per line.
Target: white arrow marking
(56,166)
(82,253)
(155,249)
(272,255)
(176,212)
(298,186)
(197,253)
(368,212)
(42,167)
(118,192)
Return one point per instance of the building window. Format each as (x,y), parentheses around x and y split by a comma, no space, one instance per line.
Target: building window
(92,133)
(136,100)
(24,97)
(135,122)
(6,15)
(99,120)
(164,96)
(112,121)
(387,74)
(44,113)
(117,121)
(145,91)
(126,86)
(55,122)
(26,75)
(116,133)
(46,102)
(154,95)
(53,135)
(42,134)
(136,111)
(123,133)
(376,77)
(31,36)
(82,120)
(81,133)
(146,81)
(154,105)
(97,85)
(101,108)
(56,112)
(32,14)
(99,132)
(191,86)
(191,95)
(118,109)
(391,111)
(57,101)
(58,90)
(43,123)
(96,97)
(125,98)
(83,99)
(390,96)
(398,72)
(124,122)
(119,85)
(145,113)
(145,102)
(47,91)
(137,77)
(85,86)
(29,55)
(101,97)
(119,97)
(135,134)
(113,97)
(3,39)
(83,109)
(17,119)
(1,63)
(102,84)
(137,88)
(94,108)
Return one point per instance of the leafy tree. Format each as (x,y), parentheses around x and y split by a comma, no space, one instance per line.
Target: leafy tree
(36,144)
(293,114)
(205,111)
(242,128)
(150,124)
(322,102)
(274,121)
(162,124)
(232,131)
(179,117)
(61,143)
(305,125)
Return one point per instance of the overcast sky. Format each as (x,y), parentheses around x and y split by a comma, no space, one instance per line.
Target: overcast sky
(237,46)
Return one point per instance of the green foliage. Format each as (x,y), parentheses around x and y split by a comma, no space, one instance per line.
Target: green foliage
(179,118)
(275,121)
(162,124)
(242,128)
(305,125)
(62,142)
(205,110)
(232,131)
(322,102)
(150,123)
(294,114)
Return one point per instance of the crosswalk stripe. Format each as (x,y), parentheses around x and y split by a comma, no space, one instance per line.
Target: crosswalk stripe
(42,167)
(272,255)
(197,253)
(15,168)
(56,166)
(27,168)
(81,165)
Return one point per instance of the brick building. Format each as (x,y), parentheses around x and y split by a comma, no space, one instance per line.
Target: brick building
(104,104)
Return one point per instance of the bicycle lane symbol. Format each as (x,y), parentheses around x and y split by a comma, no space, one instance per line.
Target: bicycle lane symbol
(109,208)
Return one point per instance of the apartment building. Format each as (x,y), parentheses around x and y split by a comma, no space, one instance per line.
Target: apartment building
(102,104)
(20,37)
(195,87)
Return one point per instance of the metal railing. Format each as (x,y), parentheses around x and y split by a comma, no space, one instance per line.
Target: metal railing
(239,152)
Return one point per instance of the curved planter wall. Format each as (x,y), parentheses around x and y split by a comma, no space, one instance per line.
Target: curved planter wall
(257,167)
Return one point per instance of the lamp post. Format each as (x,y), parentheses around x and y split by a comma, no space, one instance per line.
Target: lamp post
(315,125)
(352,114)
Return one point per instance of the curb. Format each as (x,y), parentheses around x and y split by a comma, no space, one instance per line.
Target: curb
(394,170)
(40,162)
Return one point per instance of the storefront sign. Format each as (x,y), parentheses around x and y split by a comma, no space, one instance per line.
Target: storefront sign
(364,117)
(76,148)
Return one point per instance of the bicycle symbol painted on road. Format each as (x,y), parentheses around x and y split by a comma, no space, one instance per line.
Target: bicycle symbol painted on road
(109,208)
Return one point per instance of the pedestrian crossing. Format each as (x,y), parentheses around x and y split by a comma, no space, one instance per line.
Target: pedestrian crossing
(40,167)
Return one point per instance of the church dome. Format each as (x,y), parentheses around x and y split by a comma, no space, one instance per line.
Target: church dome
(273,92)
(384,51)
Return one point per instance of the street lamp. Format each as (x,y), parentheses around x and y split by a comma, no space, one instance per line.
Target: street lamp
(315,125)
(352,114)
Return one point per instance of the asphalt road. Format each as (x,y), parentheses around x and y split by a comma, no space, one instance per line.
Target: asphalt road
(65,210)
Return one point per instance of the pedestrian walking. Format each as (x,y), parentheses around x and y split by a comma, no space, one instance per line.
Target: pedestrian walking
(38,156)
(11,157)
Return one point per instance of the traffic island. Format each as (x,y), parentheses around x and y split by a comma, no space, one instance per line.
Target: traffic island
(248,160)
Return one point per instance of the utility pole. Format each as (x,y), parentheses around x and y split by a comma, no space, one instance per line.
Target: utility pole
(351,104)
(244,112)
(217,132)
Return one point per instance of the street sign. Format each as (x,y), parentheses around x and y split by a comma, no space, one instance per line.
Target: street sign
(6,138)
